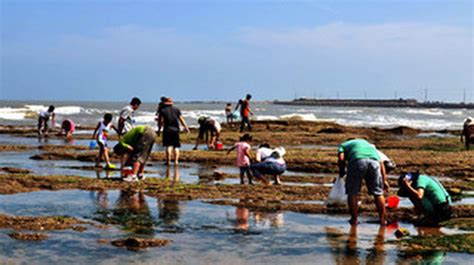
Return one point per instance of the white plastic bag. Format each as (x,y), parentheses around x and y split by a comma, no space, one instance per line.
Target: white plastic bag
(337,195)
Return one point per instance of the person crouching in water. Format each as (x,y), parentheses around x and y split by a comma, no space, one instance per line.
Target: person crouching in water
(134,148)
(43,119)
(210,130)
(101,135)
(271,165)
(67,128)
(432,201)
(243,157)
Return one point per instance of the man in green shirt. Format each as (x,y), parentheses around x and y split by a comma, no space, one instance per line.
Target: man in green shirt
(431,200)
(363,161)
(134,148)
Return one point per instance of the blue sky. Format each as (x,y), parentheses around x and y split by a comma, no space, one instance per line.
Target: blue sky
(220,50)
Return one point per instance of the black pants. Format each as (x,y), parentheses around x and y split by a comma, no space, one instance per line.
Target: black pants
(245,120)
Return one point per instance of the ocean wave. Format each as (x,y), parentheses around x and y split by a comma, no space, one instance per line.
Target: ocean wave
(12,114)
(68,110)
(304,117)
(266,117)
(349,111)
(431,112)
(193,115)
(32,111)
(145,117)
(392,121)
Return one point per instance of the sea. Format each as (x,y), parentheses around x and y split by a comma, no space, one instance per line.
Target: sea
(89,113)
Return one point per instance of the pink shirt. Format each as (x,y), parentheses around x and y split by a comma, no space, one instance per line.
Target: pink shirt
(242,159)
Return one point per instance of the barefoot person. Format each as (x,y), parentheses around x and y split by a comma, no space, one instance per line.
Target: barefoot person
(209,130)
(67,128)
(228,113)
(432,201)
(43,119)
(362,161)
(134,148)
(101,135)
(245,112)
(273,165)
(170,118)
(243,157)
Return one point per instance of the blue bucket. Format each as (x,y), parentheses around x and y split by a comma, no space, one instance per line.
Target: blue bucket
(92,144)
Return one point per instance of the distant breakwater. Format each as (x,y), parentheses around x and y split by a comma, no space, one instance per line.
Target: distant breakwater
(379,103)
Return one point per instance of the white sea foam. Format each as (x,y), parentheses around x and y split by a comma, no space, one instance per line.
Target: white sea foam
(68,110)
(12,114)
(349,111)
(305,117)
(36,108)
(266,117)
(436,135)
(432,112)
(145,117)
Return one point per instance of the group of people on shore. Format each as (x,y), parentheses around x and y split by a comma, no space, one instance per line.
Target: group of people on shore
(357,158)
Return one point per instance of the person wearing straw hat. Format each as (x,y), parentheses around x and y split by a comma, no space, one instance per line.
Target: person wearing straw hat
(468,132)
(169,119)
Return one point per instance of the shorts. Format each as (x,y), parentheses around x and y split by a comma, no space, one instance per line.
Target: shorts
(267,168)
(142,150)
(171,137)
(368,169)
(102,144)
(43,123)
(244,170)
(144,145)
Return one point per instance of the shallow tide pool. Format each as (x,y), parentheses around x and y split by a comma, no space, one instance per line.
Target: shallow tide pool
(202,233)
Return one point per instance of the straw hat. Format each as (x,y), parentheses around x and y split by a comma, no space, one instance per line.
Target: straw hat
(168,101)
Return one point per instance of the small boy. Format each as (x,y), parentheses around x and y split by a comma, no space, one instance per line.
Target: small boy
(43,120)
(243,157)
(101,134)
(126,121)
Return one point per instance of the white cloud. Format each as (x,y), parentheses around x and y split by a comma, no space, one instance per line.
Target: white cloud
(374,39)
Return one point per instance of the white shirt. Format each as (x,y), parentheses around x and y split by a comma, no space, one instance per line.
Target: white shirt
(127,114)
(263,153)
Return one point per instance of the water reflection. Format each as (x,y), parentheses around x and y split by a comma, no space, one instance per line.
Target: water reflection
(169,211)
(130,210)
(175,178)
(423,257)
(345,250)
(43,139)
(241,222)
(101,173)
(432,257)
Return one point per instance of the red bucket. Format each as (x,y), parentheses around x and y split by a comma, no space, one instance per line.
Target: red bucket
(127,171)
(219,146)
(392,201)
